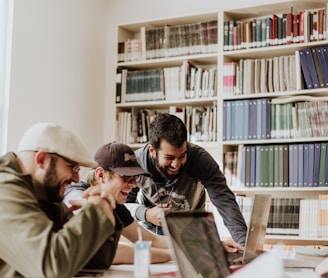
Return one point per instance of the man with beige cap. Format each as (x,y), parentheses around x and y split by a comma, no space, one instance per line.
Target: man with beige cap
(38,236)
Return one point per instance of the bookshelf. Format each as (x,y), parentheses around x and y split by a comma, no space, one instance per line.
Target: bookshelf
(187,76)
(250,145)
(135,55)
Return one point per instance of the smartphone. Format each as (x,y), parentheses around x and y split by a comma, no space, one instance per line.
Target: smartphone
(89,273)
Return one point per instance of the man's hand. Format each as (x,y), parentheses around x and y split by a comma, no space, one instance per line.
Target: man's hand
(153,215)
(99,197)
(232,247)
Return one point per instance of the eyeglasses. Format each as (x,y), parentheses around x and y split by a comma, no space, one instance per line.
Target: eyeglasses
(131,179)
(74,165)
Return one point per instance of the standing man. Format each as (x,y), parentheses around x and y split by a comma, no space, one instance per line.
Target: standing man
(38,235)
(181,171)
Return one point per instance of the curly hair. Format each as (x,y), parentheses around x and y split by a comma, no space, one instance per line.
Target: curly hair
(169,128)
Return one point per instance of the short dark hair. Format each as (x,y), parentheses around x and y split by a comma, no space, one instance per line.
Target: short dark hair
(167,127)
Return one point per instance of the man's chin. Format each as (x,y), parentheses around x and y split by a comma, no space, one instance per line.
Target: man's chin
(171,176)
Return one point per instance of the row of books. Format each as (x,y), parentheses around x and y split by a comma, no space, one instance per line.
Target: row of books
(201,122)
(277,165)
(314,64)
(187,81)
(300,119)
(169,41)
(266,118)
(306,69)
(314,217)
(247,119)
(263,75)
(276,29)
(283,217)
(293,216)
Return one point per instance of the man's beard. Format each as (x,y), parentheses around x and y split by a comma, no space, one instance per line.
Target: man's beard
(51,184)
(163,170)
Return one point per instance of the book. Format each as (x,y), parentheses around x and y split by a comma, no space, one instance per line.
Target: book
(266,118)
(226,35)
(323,65)
(318,67)
(301,26)
(300,162)
(242,165)
(323,222)
(322,166)
(284,216)
(253,166)
(312,68)
(305,69)
(150,85)
(305,169)
(309,221)
(252,113)
(310,164)
(118,89)
(279,165)
(264,167)
(296,35)
(285,171)
(299,79)
(257,165)
(293,165)
(316,164)
(270,171)
(248,167)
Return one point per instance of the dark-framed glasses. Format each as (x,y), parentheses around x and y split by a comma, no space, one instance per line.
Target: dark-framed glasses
(131,179)
(74,165)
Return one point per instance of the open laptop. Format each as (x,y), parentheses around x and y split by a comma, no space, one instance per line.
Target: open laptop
(196,244)
(256,230)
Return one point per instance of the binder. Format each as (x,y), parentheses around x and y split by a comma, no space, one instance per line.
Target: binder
(312,68)
(323,64)
(305,69)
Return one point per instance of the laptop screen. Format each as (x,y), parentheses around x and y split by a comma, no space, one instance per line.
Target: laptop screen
(196,244)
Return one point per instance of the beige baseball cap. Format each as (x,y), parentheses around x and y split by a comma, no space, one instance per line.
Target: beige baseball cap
(54,138)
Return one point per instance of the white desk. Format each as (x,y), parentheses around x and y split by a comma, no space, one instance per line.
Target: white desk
(127,271)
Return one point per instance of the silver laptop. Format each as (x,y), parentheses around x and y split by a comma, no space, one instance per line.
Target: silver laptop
(196,245)
(256,230)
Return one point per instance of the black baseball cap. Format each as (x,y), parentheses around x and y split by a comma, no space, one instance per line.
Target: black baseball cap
(119,158)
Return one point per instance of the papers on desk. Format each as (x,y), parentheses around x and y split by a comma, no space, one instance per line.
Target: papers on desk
(156,270)
(311,251)
(268,265)
(271,265)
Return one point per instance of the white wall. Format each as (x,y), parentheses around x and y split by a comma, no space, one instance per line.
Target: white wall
(58,67)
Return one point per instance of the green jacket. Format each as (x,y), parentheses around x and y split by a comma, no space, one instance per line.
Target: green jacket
(44,239)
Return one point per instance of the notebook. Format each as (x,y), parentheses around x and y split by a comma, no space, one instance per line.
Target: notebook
(196,245)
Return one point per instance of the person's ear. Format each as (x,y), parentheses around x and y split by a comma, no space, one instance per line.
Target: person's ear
(41,159)
(100,174)
(152,151)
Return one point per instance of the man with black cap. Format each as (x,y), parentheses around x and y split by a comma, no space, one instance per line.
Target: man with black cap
(117,171)
(38,235)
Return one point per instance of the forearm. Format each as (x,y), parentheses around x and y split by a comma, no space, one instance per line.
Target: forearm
(159,241)
(137,211)
(160,255)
